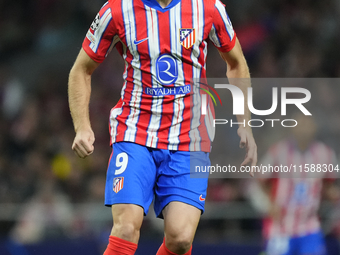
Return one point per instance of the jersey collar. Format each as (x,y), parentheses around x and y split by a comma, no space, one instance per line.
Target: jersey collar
(155,5)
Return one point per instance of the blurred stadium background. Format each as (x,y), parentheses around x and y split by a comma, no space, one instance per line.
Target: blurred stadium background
(51,202)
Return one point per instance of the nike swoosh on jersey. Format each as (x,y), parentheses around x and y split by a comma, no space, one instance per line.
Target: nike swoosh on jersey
(201,198)
(140,41)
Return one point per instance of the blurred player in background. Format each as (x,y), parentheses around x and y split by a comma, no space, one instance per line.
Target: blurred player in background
(291,200)
(156,128)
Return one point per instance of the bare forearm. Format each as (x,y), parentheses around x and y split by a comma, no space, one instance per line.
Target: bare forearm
(79,91)
(239,76)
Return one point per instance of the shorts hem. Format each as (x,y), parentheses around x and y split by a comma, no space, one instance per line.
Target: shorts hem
(110,203)
(177,198)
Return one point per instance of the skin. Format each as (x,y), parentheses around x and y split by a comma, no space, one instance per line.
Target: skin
(238,74)
(164,3)
(128,218)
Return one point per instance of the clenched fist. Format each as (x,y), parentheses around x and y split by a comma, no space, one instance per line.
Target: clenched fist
(83,142)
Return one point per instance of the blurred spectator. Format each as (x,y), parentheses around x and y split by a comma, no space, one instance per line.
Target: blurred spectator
(290,200)
(11,93)
(48,214)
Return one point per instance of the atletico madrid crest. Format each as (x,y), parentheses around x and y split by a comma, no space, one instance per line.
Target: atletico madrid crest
(187,37)
(118,183)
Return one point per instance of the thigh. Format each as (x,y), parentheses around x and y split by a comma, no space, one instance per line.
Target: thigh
(181,218)
(175,180)
(122,213)
(131,176)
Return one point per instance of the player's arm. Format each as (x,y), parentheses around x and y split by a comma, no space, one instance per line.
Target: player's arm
(238,75)
(237,66)
(79,91)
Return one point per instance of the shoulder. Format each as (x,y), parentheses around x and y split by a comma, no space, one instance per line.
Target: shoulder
(114,3)
(209,9)
(114,11)
(115,6)
(210,2)
(209,5)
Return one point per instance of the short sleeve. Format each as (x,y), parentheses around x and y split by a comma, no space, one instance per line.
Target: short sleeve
(101,36)
(222,33)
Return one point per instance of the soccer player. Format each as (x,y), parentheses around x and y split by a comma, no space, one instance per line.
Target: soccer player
(292,224)
(157,129)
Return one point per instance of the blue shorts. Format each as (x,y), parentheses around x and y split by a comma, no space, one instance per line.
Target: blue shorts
(312,244)
(137,174)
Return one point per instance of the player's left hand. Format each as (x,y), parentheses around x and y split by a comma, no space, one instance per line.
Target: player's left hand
(247,141)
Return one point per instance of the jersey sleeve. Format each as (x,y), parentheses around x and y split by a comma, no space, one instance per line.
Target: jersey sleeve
(101,36)
(222,33)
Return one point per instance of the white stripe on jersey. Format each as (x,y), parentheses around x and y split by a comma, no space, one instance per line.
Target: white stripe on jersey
(205,52)
(225,18)
(213,37)
(156,109)
(136,94)
(115,40)
(114,123)
(176,51)
(104,21)
(125,74)
(197,19)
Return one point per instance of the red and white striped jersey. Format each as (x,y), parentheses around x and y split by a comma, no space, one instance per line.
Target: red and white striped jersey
(163,49)
(298,197)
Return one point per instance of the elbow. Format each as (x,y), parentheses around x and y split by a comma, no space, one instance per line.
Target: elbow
(237,64)
(79,71)
(238,70)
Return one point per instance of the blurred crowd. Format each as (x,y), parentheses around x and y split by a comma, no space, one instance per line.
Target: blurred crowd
(39,41)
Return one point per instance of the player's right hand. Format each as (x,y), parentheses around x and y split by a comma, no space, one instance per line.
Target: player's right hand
(83,142)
